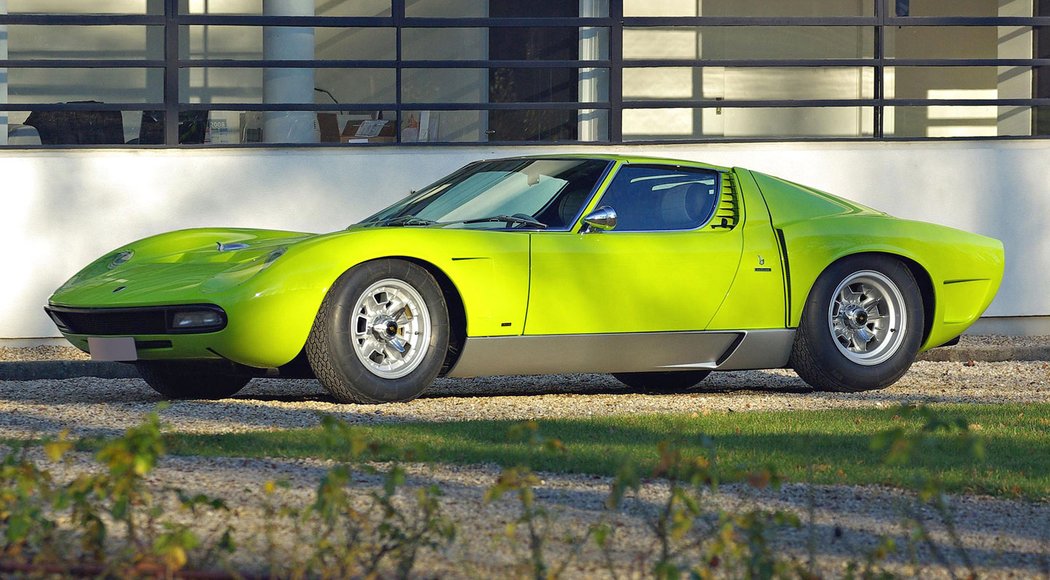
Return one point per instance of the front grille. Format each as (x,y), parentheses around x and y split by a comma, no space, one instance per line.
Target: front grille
(126,321)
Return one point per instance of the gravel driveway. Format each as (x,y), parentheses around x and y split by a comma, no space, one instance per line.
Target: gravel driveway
(1007,538)
(108,406)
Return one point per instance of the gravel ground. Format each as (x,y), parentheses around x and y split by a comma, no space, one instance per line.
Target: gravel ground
(969,341)
(1009,539)
(108,406)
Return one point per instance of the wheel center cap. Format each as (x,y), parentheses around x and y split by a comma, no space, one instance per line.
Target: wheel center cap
(855,316)
(384,328)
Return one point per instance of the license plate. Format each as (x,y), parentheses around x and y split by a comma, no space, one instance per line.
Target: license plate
(112,348)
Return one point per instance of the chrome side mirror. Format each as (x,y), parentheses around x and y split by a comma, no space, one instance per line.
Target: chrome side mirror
(602,219)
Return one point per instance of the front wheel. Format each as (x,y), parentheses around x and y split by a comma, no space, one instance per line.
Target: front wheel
(861,326)
(381,334)
(191,379)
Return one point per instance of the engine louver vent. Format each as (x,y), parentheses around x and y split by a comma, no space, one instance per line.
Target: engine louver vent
(728,213)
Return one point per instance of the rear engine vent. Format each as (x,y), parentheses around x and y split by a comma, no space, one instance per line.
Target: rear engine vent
(728,213)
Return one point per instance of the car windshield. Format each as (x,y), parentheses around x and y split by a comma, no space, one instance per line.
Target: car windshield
(519,193)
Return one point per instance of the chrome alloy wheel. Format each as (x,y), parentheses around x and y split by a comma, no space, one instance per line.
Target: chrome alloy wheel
(867,317)
(390,328)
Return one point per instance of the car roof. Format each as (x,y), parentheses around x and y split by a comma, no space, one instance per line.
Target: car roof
(626,159)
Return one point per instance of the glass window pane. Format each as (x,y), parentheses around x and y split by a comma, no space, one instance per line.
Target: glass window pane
(952,7)
(765,8)
(537,125)
(286,85)
(941,121)
(236,127)
(88,42)
(740,122)
(107,85)
(447,9)
(335,8)
(958,82)
(505,9)
(446,85)
(287,43)
(83,7)
(960,42)
(445,126)
(657,199)
(30,128)
(748,42)
(588,43)
(444,43)
(748,83)
(504,85)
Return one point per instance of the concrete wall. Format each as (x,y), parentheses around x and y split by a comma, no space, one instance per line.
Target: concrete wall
(61,209)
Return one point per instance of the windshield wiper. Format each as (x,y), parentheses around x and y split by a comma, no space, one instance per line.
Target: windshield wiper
(405,220)
(518,218)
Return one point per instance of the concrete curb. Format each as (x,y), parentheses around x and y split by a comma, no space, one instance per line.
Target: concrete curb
(70,369)
(986,354)
(65,369)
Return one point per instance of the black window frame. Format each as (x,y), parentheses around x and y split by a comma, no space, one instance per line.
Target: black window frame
(885,16)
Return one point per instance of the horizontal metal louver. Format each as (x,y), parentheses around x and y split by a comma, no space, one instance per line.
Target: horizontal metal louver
(728,213)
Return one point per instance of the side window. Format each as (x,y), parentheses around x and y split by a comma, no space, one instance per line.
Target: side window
(648,198)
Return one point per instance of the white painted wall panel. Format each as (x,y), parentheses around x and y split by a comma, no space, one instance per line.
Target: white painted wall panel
(61,209)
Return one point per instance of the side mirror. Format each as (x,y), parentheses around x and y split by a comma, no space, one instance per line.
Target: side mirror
(602,219)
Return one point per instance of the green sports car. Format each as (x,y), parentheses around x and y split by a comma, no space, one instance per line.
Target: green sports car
(654,270)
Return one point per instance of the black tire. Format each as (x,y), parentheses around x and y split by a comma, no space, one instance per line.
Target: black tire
(192,379)
(662,382)
(354,370)
(830,352)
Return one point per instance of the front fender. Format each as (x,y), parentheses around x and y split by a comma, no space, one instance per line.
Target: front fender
(271,314)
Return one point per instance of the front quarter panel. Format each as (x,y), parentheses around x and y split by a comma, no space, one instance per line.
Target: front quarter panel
(271,315)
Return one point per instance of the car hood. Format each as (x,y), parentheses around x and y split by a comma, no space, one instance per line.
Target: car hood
(176,267)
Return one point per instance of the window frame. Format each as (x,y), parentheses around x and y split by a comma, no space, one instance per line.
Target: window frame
(884,17)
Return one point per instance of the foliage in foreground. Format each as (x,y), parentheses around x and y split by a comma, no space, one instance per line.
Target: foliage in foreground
(121,526)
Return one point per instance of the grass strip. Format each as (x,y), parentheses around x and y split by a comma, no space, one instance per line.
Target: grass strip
(821,446)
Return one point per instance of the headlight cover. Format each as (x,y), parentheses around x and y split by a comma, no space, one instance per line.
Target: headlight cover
(122,257)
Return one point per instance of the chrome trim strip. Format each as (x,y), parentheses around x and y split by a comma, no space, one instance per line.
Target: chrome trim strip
(626,352)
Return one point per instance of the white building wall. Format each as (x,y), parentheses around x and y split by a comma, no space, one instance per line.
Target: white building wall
(61,209)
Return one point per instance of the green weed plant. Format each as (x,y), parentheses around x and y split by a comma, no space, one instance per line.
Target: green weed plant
(119,526)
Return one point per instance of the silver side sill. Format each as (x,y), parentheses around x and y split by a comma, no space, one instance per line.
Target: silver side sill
(626,352)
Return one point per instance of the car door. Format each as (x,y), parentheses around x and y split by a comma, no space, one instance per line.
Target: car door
(666,266)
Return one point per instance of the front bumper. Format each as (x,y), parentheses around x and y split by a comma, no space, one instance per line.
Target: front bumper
(134,321)
(155,329)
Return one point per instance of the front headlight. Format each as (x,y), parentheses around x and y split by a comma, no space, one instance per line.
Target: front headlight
(198,319)
(98,267)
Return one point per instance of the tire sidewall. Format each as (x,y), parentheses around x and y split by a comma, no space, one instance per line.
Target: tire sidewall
(175,379)
(662,381)
(827,367)
(338,332)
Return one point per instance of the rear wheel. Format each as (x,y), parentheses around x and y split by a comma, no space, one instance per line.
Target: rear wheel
(381,334)
(662,382)
(861,327)
(192,379)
